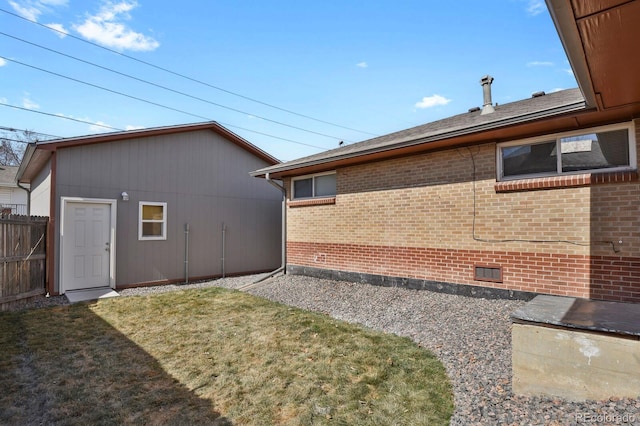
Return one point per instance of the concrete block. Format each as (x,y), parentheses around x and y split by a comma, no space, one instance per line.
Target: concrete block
(574,364)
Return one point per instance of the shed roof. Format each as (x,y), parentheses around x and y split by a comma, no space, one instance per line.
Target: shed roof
(37,154)
(513,113)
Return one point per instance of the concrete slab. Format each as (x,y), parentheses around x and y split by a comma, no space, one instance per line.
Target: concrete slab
(76,296)
(586,314)
(574,364)
(578,349)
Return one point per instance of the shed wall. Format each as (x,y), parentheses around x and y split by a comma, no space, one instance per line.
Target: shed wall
(41,192)
(204,179)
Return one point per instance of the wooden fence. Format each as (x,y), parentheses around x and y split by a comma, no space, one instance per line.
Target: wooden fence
(22,258)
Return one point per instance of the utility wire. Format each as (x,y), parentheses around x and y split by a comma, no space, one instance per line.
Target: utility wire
(187,77)
(13,129)
(122,130)
(60,116)
(170,89)
(104,88)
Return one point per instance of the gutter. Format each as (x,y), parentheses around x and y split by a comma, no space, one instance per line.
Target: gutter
(283,265)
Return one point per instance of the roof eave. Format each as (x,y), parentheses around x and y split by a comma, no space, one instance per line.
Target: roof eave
(510,121)
(564,20)
(52,145)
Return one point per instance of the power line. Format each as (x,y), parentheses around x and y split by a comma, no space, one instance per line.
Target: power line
(187,77)
(147,101)
(60,116)
(14,140)
(169,89)
(13,129)
(122,130)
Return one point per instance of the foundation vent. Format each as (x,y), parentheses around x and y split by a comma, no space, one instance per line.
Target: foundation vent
(488,273)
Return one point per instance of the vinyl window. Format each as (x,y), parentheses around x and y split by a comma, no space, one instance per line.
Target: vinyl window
(315,186)
(153,221)
(609,148)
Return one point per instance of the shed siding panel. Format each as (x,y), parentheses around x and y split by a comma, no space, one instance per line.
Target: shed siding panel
(187,171)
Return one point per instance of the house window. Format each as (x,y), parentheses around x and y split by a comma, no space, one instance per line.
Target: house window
(609,148)
(322,185)
(153,221)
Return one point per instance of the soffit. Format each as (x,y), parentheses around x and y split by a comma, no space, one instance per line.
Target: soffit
(609,32)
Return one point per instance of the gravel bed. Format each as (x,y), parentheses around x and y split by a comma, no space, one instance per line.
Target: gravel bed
(471,336)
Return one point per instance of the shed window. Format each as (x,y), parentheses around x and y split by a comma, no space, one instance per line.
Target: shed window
(153,221)
(599,149)
(323,185)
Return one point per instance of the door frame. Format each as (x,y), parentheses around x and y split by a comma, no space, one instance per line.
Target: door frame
(112,234)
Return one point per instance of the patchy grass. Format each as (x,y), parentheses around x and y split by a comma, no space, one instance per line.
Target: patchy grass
(211,356)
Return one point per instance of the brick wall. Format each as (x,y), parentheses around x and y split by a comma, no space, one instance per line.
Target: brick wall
(434,216)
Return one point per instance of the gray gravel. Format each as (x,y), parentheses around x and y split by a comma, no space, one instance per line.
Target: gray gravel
(471,336)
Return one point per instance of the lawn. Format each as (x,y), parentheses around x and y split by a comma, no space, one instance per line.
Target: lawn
(211,356)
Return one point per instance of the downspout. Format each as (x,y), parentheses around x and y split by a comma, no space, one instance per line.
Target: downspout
(186,253)
(28,198)
(224,244)
(283,266)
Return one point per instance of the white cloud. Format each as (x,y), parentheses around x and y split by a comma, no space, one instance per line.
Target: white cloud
(362,64)
(28,103)
(535,7)
(2,62)
(539,64)
(54,2)
(26,10)
(94,126)
(106,28)
(569,71)
(4,100)
(557,89)
(133,127)
(59,30)
(431,101)
(32,9)
(98,127)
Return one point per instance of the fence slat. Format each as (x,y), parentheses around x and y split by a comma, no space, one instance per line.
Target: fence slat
(22,257)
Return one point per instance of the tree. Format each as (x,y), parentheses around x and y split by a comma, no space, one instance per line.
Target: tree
(12,145)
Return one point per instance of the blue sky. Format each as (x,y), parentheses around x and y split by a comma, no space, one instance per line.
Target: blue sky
(367,68)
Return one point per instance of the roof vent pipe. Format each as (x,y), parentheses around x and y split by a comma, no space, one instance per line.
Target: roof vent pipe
(487,107)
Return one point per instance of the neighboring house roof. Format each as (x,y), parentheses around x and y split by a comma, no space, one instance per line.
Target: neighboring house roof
(513,113)
(8,176)
(37,154)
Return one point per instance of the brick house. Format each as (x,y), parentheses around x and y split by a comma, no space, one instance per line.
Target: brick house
(534,196)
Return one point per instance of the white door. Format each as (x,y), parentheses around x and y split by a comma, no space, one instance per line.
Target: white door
(86,246)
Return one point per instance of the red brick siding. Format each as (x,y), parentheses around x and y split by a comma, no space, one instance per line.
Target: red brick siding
(611,277)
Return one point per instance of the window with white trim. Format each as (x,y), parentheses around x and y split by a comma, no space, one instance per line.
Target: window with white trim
(314,186)
(608,148)
(153,221)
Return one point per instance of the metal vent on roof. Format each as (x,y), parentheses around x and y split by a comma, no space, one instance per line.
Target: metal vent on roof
(474,109)
(538,94)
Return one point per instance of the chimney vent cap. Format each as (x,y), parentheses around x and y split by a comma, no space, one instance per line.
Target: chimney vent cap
(538,94)
(474,109)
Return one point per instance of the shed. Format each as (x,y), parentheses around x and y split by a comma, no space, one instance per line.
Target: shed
(153,206)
